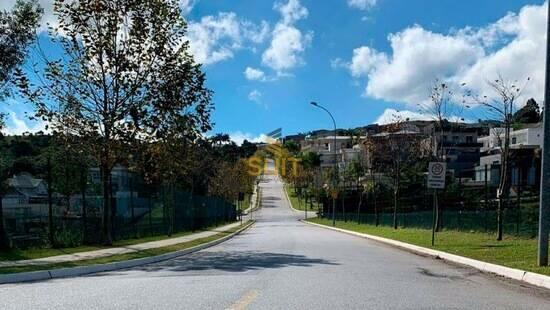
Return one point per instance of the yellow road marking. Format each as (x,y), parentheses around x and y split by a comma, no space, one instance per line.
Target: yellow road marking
(244,301)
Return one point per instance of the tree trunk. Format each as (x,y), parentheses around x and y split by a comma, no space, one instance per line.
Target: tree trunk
(3,234)
(359,207)
(395,193)
(83,178)
(50,207)
(105,176)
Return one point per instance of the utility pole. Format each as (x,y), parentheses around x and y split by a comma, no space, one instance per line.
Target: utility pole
(544,207)
(335,174)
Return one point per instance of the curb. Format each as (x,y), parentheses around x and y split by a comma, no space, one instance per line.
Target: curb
(507,272)
(288,200)
(84,270)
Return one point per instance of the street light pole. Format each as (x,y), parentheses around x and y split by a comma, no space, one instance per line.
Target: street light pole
(335,174)
(544,207)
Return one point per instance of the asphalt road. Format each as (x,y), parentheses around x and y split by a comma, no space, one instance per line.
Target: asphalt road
(281,263)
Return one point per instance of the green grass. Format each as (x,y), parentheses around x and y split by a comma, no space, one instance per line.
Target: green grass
(299,204)
(514,252)
(33,253)
(123,257)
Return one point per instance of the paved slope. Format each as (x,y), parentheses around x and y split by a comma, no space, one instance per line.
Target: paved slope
(283,264)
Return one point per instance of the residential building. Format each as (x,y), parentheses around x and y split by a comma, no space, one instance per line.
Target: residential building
(525,146)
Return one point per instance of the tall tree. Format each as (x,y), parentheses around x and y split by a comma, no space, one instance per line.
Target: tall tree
(17,29)
(500,106)
(125,76)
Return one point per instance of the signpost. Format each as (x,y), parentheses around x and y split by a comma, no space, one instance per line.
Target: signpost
(436,180)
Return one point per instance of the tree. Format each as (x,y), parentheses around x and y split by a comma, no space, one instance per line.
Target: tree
(125,76)
(501,106)
(16,34)
(17,31)
(394,152)
(528,114)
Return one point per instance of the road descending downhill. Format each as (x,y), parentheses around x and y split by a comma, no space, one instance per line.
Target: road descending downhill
(281,263)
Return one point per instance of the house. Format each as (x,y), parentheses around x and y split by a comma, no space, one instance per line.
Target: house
(525,146)
(326,146)
(25,196)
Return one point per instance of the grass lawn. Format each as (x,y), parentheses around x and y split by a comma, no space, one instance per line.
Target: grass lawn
(297,203)
(512,252)
(122,257)
(32,253)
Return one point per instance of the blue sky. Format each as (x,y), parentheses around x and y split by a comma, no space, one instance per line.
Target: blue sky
(362,59)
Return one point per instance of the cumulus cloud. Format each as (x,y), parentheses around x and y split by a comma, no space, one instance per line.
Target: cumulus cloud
(391,115)
(238,137)
(216,38)
(187,5)
(19,126)
(288,43)
(255,96)
(254,74)
(361,4)
(512,47)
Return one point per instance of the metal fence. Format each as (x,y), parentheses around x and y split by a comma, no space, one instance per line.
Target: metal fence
(466,204)
(137,213)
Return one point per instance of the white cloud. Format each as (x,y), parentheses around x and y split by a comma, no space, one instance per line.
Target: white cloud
(361,4)
(391,115)
(255,96)
(254,74)
(513,47)
(238,137)
(18,126)
(187,5)
(364,60)
(288,42)
(216,38)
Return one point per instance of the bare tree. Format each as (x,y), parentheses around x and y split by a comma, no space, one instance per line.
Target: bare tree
(501,107)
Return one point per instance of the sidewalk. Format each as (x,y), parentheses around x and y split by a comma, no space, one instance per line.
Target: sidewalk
(117,250)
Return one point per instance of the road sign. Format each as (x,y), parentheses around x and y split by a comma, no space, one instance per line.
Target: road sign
(436,175)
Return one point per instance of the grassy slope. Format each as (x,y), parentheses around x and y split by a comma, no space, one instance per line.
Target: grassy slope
(296,203)
(123,257)
(511,252)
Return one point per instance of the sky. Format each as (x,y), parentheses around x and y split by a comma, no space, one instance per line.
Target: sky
(364,60)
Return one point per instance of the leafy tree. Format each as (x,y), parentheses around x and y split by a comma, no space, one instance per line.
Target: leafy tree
(125,78)
(292,147)
(17,31)
(528,114)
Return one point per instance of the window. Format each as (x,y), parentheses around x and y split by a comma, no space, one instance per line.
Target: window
(469,139)
(514,140)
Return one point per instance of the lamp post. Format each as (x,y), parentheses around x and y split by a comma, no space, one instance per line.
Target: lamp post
(335,174)
(544,207)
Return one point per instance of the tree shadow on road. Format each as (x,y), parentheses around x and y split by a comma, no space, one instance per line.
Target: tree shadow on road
(232,261)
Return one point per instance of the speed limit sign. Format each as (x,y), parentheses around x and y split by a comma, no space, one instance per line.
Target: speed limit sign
(436,175)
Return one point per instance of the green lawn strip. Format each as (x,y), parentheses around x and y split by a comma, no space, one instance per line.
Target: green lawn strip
(34,253)
(298,204)
(123,257)
(512,252)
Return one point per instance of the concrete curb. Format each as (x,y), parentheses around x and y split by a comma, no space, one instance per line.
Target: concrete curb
(84,270)
(288,200)
(507,272)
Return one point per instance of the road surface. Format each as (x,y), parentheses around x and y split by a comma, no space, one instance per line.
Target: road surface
(281,263)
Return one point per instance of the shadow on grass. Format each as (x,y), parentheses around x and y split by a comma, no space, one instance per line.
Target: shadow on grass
(233,261)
